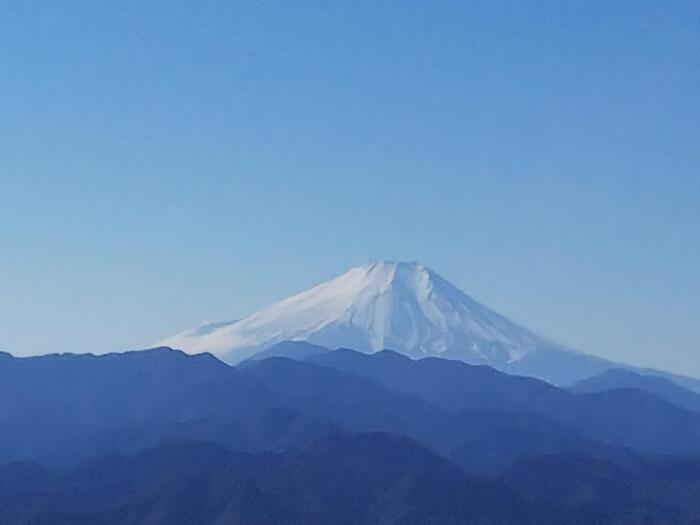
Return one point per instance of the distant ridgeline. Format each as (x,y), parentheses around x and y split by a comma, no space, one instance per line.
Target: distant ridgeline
(306,435)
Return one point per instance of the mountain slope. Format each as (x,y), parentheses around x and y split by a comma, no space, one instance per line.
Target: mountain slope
(622,378)
(61,409)
(655,490)
(375,478)
(631,418)
(405,307)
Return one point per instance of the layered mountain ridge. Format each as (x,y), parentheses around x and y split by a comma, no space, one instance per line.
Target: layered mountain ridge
(159,436)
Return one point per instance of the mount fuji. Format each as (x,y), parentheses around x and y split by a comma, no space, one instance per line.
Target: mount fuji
(404,307)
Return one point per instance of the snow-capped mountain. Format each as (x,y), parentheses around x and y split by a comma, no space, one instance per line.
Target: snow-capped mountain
(405,307)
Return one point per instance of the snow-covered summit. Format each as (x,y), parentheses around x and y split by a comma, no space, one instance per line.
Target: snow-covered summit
(400,306)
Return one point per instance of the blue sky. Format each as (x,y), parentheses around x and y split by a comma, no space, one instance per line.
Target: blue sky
(166,163)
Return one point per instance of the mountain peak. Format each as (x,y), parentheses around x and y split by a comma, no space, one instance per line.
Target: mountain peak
(391,266)
(403,306)
(378,277)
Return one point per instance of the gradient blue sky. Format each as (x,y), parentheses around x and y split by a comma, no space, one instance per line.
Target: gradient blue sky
(163,163)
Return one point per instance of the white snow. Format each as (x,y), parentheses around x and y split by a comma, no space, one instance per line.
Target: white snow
(405,307)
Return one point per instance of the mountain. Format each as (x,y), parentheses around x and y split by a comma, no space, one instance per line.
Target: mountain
(372,478)
(365,479)
(377,479)
(291,350)
(621,378)
(160,436)
(63,409)
(632,418)
(655,490)
(404,307)
(449,384)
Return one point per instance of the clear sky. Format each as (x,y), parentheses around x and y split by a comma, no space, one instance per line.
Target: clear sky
(164,163)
